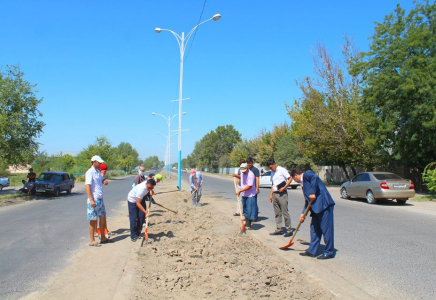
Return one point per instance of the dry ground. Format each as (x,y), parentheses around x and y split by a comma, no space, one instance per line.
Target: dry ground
(200,254)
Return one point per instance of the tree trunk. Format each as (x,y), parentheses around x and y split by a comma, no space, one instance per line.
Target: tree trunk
(354,171)
(345,172)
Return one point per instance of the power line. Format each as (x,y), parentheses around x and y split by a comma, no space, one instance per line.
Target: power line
(195,33)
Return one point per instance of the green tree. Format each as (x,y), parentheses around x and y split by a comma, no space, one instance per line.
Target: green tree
(243,149)
(214,145)
(102,147)
(225,161)
(19,118)
(329,124)
(399,79)
(126,163)
(288,155)
(152,162)
(126,156)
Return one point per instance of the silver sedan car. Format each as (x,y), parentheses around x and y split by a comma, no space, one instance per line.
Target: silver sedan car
(378,185)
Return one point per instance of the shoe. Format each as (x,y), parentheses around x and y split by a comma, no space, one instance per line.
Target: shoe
(135,239)
(237,214)
(277,232)
(289,233)
(323,256)
(305,253)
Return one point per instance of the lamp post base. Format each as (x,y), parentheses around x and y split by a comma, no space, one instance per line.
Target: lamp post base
(179,171)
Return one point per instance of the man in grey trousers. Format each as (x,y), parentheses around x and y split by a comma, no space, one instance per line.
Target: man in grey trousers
(280,180)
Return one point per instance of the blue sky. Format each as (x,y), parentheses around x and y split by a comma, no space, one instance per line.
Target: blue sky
(102,70)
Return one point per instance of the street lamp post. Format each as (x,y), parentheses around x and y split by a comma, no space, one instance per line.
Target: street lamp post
(168,120)
(183,41)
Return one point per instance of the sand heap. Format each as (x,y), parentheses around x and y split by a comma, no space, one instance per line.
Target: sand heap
(199,254)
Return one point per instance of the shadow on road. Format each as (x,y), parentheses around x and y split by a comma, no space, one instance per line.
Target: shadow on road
(257,226)
(382,202)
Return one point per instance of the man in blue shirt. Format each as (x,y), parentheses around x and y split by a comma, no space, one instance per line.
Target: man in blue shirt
(322,223)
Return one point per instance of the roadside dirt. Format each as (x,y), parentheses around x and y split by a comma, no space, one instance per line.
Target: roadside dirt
(21,198)
(195,254)
(200,254)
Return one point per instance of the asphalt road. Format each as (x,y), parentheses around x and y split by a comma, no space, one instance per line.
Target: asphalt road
(38,237)
(386,249)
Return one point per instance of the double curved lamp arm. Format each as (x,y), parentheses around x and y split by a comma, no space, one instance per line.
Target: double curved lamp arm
(183,41)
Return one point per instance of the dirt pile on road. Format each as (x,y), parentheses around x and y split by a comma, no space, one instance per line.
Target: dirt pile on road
(199,254)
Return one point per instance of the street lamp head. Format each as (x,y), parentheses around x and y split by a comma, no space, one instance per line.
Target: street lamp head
(184,113)
(153,114)
(158,30)
(158,132)
(215,17)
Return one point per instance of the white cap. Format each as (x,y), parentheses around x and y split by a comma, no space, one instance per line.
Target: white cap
(97,158)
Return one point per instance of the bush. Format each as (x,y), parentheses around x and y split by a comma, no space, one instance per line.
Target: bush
(4,173)
(80,178)
(429,177)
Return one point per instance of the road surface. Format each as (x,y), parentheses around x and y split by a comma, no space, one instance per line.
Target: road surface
(386,249)
(38,237)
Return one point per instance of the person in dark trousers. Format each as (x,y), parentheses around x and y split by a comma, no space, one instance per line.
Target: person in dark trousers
(31,179)
(137,206)
(248,194)
(250,162)
(140,177)
(280,180)
(322,223)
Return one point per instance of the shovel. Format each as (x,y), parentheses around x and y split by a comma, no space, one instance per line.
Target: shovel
(240,208)
(296,230)
(167,192)
(186,200)
(145,238)
(173,211)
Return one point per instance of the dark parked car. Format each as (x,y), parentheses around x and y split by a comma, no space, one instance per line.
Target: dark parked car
(54,183)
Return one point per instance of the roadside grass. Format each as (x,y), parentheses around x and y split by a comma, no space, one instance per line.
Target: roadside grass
(16,178)
(11,196)
(422,198)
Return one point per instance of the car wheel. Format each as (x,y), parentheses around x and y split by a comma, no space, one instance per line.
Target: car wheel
(1,187)
(69,190)
(370,197)
(344,194)
(57,192)
(401,201)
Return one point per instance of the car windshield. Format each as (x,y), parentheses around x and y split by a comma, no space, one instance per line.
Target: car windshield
(267,173)
(386,176)
(48,177)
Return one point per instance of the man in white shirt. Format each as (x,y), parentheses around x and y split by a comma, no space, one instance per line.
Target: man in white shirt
(137,206)
(280,180)
(95,205)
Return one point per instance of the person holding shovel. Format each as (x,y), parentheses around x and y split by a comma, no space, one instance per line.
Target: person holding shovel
(137,206)
(248,193)
(194,187)
(322,223)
